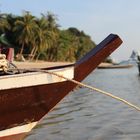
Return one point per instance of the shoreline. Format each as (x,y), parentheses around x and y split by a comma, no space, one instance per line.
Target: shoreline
(46,64)
(38,64)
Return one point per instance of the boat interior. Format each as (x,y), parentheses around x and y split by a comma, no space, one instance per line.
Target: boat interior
(12,69)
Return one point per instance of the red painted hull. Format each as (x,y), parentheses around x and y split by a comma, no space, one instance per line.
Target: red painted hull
(20,106)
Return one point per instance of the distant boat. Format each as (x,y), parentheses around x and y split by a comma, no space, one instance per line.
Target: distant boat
(116,66)
(138,63)
(28,96)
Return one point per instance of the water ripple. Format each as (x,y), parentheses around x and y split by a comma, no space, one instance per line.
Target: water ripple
(88,115)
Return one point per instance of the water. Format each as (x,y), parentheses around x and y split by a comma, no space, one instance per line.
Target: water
(88,115)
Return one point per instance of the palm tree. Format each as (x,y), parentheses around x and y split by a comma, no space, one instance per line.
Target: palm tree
(4,25)
(43,37)
(25,29)
(54,31)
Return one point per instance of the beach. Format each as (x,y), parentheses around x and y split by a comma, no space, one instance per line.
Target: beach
(46,64)
(38,64)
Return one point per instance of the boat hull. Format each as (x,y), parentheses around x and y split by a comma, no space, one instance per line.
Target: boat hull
(29,104)
(111,66)
(24,106)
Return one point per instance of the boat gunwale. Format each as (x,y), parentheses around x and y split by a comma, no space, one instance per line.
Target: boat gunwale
(35,71)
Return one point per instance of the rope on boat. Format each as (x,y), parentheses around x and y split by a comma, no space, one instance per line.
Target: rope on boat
(95,89)
(3,63)
(7,67)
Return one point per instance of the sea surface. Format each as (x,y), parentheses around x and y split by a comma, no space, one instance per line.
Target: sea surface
(88,115)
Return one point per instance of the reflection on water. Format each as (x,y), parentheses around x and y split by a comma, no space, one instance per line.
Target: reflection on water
(88,115)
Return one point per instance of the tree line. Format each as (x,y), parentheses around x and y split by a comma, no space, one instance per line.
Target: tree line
(42,38)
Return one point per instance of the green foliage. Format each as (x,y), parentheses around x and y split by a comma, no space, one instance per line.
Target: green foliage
(108,60)
(73,44)
(41,38)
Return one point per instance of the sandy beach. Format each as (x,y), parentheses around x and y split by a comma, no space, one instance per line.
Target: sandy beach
(38,64)
(45,64)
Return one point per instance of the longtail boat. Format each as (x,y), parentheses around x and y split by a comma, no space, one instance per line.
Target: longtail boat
(27,96)
(115,66)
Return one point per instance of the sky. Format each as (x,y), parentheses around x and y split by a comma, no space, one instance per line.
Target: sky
(97,18)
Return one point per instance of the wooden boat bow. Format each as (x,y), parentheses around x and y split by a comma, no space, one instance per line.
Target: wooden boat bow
(92,59)
(22,106)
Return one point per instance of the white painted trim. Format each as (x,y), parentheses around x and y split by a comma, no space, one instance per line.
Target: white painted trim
(34,78)
(17,130)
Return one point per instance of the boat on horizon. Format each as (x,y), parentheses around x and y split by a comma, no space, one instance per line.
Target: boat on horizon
(27,96)
(114,66)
